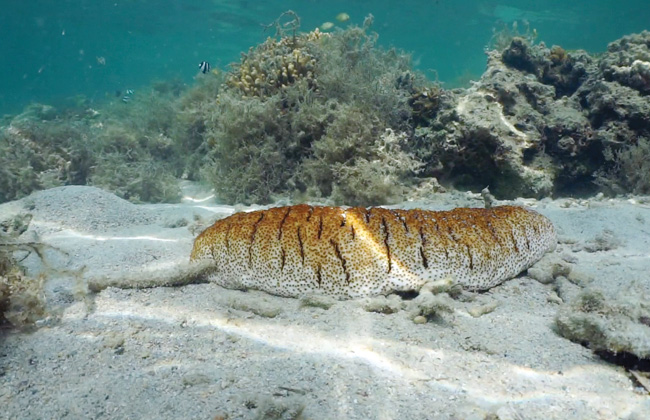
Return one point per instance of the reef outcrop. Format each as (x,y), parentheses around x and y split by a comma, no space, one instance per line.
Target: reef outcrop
(544,121)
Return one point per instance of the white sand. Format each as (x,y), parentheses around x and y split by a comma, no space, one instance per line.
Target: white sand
(201,351)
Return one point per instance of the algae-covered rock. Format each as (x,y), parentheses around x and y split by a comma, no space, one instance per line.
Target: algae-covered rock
(519,129)
(126,150)
(22,298)
(334,117)
(545,121)
(627,61)
(316,116)
(608,324)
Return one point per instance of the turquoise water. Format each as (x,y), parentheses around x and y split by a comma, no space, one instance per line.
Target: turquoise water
(55,50)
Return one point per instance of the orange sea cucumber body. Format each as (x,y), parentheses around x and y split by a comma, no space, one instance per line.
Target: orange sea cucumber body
(353,252)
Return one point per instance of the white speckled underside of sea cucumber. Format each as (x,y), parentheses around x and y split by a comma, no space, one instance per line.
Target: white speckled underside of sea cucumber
(353,252)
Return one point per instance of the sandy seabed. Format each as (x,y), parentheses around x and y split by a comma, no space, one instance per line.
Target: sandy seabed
(204,352)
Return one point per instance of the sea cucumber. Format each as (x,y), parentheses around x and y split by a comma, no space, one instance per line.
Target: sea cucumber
(353,252)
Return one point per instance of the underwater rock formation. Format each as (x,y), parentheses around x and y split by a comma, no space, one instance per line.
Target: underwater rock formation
(544,121)
(627,62)
(335,117)
(322,116)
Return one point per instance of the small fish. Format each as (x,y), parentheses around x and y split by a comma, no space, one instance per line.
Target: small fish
(342,17)
(326,26)
(126,99)
(204,66)
(129,91)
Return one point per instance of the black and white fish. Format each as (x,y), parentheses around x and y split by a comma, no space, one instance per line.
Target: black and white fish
(204,66)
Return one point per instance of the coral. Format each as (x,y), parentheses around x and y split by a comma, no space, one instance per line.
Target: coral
(276,64)
(558,55)
(355,252)
(619,111)
(424,103)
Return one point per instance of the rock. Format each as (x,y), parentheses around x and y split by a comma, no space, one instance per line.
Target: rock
(543,120)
